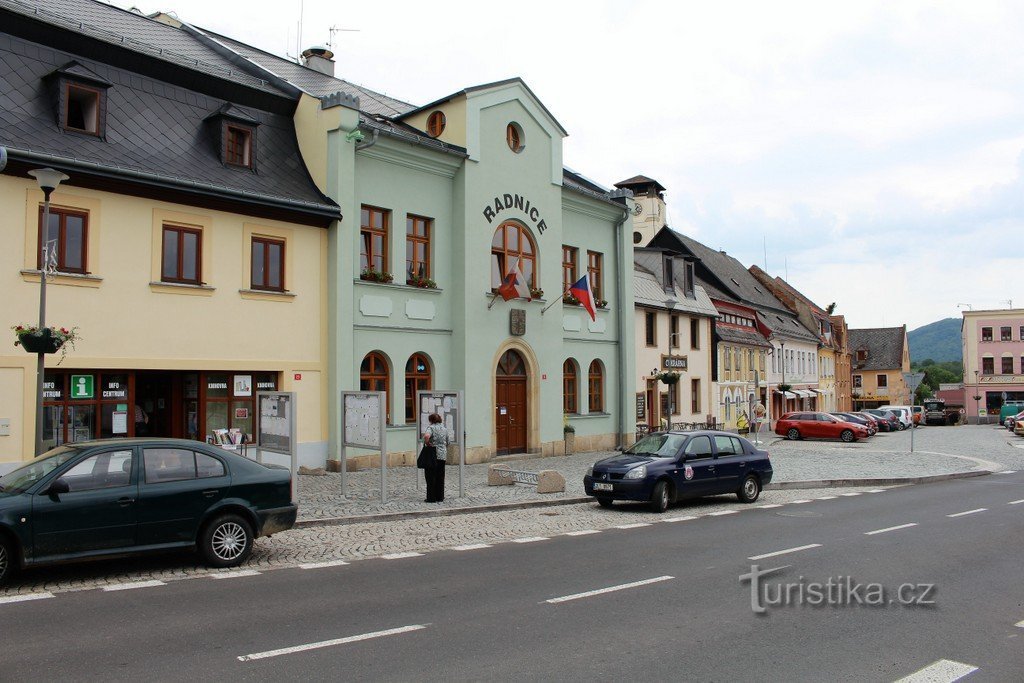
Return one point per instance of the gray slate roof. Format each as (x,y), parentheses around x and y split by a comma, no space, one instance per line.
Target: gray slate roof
(648,292)
(739,336)
(152,128)
(884,345)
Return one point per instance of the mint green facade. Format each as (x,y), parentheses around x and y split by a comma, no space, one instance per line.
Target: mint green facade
(452,326)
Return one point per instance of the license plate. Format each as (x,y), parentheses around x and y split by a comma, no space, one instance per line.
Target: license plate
(603,487)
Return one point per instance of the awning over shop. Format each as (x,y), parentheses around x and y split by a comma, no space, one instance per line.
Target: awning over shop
(788,394)
(805,393)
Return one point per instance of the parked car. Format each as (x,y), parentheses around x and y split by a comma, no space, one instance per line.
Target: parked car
(805,425)
(888,417)
(870,424)
(881,425)
(871,419)
(118,497)
(1012,422)
(665,467)
(903,413)
(1018,427)
(1009,409)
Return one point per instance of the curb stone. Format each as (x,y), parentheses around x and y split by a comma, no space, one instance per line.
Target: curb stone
(498,507)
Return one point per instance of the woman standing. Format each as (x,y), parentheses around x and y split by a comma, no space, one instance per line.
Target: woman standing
(436,435)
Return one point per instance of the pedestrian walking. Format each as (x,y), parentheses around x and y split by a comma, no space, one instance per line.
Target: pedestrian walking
(436,436)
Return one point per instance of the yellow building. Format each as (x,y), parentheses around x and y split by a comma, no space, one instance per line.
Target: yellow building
(880,357)
(188,246)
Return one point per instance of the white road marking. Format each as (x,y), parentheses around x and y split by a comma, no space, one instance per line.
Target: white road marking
(799,502)
(632,526)
(1016,502)
(681,519)
(1019,624)
(783,552)
(330,643)
(601,591)
(769,505)
(828,498)
(400,556)
(722,512)
(323,565)
(24,597)
(850,495)
(1007,472)
(130,586)
(877,491)
(969,512)
(472,546)
(892,528)
(530,539)
(582,532)
(942,671)
(235,574)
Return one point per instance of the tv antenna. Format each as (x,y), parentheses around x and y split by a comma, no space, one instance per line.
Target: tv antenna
(334,29)
(967,306)
(1008,302)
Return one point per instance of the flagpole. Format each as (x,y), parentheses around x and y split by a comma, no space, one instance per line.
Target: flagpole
(560,296)
(493,299)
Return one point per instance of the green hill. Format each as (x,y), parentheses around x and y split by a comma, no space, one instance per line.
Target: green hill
(939,341)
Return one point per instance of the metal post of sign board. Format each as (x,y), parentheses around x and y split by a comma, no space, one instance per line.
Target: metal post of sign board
(449,405)
(275,430)
(913,380)
(364,425)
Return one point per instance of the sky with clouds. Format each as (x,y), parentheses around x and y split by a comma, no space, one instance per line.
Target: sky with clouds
(869,152)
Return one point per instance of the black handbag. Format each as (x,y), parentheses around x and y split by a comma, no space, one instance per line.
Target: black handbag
(426,458)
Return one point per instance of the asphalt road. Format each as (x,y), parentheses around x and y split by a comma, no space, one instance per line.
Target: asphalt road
(525,611)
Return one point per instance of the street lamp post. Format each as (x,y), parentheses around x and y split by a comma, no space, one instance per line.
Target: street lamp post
(48,180)
(785,399)
(977,399)
(670,303)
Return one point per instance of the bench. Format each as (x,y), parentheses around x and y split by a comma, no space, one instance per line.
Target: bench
(546,481)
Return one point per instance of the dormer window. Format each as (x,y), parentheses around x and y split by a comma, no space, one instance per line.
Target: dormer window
(238,145)
(82,108)
(862,355)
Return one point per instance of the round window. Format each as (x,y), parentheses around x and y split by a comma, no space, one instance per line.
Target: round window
(637,237)
(514,137)
(435,124)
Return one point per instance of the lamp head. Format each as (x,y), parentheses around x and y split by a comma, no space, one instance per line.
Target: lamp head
(3,158)
(48,178)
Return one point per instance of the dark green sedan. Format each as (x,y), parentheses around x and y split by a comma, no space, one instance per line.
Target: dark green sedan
(120,497)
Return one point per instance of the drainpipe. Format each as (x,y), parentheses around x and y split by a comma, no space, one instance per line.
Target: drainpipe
(373,141)
(623,380)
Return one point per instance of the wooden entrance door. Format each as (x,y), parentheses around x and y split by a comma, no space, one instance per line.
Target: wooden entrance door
(510,411)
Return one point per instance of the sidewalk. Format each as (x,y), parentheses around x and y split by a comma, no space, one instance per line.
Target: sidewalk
(884,457)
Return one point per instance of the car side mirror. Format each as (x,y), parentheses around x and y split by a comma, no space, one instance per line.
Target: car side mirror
(58,487)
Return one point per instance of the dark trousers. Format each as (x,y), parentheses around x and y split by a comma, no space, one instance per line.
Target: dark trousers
(435,481)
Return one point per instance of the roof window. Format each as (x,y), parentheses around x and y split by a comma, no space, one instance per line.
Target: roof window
(234,129)
(81,99)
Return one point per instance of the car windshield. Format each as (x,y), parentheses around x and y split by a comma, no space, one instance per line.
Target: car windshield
(658,445)
(22,478)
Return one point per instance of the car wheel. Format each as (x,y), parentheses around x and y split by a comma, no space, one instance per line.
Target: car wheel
(604,502)
(7,560)
(750,489)
(661,498)
(227,541)
(846,435)
(793,434)
(902,426)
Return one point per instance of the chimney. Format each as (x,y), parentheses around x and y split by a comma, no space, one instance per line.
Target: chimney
(319,59)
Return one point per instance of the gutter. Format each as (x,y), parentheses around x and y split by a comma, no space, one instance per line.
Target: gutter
(119,173)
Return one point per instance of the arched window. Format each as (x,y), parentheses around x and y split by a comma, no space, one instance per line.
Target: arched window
(569,402)
(417,378)
(373,376)
(596,387)
(512,241)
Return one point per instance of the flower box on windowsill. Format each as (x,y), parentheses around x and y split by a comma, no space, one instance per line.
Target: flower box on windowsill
(421,283)
(376,276)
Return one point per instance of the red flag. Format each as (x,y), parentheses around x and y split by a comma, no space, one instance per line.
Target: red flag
(514,284)
(582,291)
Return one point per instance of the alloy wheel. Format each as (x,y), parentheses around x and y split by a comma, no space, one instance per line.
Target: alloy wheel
(229,541)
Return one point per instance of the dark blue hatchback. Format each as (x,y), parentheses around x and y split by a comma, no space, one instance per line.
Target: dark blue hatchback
(666,467)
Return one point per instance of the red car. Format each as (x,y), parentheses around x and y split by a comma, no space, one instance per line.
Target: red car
(818,426)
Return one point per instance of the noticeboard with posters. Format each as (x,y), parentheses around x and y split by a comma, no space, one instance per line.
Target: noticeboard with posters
(447,404)
(362,416)
(275,429)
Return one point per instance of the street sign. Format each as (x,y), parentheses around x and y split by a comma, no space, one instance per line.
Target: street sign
(913,380)
(82,386)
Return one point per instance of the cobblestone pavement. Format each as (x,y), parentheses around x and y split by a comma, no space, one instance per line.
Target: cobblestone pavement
(365,540)
(937,450)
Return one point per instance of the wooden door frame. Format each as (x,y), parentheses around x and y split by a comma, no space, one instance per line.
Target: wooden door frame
(533,399)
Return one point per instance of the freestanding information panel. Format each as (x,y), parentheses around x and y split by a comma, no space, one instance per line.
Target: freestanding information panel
(275,430)
(447,404)
(364,426)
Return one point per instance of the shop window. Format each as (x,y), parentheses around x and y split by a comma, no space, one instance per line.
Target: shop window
(988,366)
(514,137)
(1007,368)
(594,267)
(373,376)
(695,396)
(230,402)
(417,248)
(182,255)
(568,267)
(651,328)
(417,378)
(267,270)
(512,242)
(1005,334)
(82,108)
(373,250)
(238,145)
(65,238)
(596,387)
(435,124)
(569,379)
(986,334)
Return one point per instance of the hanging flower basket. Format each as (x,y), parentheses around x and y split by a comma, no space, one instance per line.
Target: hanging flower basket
(668,377)
(785,387)
(46,340)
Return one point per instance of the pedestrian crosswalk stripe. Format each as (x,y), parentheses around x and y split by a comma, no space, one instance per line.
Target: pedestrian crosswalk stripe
(942,671)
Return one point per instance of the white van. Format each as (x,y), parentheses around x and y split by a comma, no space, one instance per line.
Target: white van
(904,413)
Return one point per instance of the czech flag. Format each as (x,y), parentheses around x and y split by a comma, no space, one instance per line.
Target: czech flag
(514,284)
(582,291)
